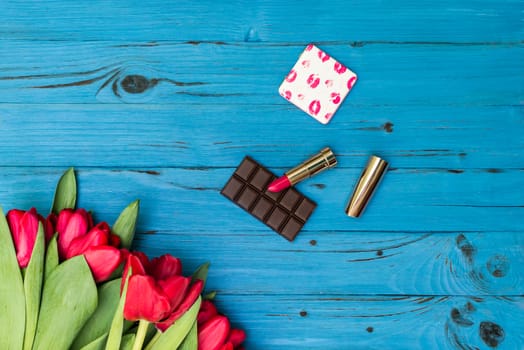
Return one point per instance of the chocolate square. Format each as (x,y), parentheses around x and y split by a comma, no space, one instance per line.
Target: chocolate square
(291,228)
(289,199)
(262,208)
(274,196)
(232,187)
(247,197)
(261,179)
(246,168)
(305,209)
(276,218)
(285,212)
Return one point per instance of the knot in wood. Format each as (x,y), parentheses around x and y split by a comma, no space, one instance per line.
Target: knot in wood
(135,84)
(491,333)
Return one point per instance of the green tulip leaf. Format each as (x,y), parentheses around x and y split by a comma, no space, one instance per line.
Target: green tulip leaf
(33,280)
(201,273)
(65,193)
(12,300)
(124,226)
(175,335)
(69,298)
(100,321)
(191,340)
(117,323)
(51,256)
(127,342)
(97,344)
(210,295)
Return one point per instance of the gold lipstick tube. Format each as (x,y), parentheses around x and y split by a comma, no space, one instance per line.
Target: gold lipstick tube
(366,186)
(325,159)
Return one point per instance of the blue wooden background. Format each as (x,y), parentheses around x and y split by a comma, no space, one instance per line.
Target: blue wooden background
(160,100)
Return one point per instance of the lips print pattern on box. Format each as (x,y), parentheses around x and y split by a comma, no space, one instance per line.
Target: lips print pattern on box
(317,84)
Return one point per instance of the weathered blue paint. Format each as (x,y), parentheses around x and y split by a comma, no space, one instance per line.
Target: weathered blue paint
(160,101)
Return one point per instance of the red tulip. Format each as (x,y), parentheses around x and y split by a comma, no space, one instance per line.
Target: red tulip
(214,330)
(189,298)
(70,225)
(77,236)
(236,337)
(24,228)
(213,334)
(206,312)
(102,261)
(145,300)
(156,289)
(50,224)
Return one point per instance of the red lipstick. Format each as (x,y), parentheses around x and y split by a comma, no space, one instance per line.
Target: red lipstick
(279,184)
(325,159)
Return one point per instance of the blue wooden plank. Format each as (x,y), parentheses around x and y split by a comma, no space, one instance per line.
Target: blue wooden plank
(255,21)
(377,322)
(449,138)
(187,75)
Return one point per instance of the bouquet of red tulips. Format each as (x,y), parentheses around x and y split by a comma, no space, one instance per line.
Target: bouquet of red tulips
(68,283)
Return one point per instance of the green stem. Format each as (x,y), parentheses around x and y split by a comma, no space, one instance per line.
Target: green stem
(153,340)
(140,334)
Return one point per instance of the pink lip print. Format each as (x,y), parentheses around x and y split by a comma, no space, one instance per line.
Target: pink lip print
(335,98)
(314,107)
(309,47)
(340,68)
(305,64)
(328,116)
(313,81)
(300,97)
(329,83)
(287,95)
(323,56)
(351,81)
(291,76)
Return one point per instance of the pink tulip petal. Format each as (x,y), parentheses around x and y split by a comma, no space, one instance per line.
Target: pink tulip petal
(97,236)
(24,227)
(49,226)
(136,261)
(165,266)
(114,240)
(26,240)
(206,312)
(145,300)
(175,288)
(213,333)
(189,300)
(236,337)
(14,216)
(63,219)
(102,261)
(70,226)
(227,346)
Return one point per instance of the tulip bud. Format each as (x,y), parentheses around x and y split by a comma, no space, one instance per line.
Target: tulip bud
(70,225)
(97,236)
(24,228)
(145,300)
(102,261)
(213,333)
(236,337)
(207,311)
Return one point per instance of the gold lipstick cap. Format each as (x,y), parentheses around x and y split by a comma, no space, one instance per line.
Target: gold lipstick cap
(321,161)
(368,182)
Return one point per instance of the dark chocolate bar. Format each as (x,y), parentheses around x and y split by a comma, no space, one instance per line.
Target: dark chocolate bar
(285,212)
